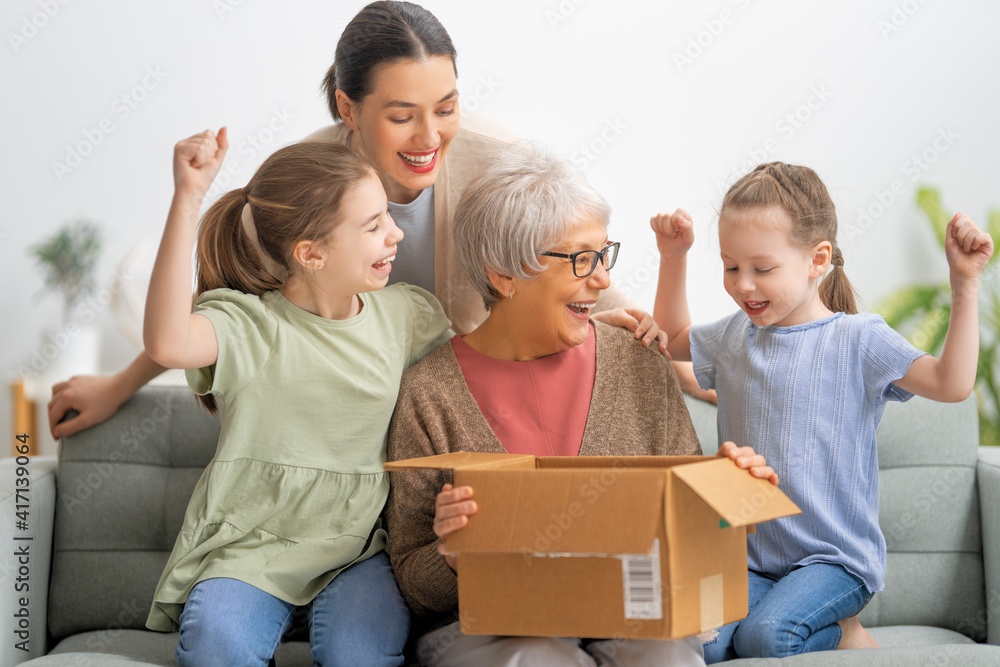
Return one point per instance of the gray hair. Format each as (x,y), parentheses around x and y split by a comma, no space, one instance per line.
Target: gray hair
(522,204)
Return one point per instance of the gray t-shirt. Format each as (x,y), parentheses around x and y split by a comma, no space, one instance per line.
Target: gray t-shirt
(416,265)
(808,398)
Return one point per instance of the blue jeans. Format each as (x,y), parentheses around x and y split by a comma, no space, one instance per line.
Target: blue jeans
(795,614)
(358,619)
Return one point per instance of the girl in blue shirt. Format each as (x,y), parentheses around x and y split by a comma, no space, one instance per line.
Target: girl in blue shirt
(804,379)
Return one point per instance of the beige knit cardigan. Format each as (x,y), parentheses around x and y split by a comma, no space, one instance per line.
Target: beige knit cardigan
(636,408)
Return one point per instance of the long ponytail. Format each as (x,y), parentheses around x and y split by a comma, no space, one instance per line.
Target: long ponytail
(227,255)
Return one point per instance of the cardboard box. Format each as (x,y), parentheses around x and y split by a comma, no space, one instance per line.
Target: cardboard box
(630,546)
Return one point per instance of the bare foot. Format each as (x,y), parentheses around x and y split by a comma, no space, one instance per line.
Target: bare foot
(854,636)
(707,635)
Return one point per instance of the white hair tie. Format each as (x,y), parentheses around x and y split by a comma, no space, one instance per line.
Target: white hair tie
(277,271)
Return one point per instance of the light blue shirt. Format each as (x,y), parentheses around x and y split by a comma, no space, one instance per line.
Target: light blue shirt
(415,264)
(808,397)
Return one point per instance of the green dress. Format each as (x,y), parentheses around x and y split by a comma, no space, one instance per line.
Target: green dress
(295,490)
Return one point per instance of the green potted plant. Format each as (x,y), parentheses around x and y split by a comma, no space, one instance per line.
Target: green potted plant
(921,312)
(69,259)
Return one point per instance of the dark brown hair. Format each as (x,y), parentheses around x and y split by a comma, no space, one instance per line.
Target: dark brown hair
(382,33)
(800,193)
(294,196)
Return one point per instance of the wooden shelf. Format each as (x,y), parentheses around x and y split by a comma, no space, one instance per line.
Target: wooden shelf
(23,418)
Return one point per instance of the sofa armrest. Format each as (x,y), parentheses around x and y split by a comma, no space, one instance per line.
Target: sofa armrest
(24,577)
(988,479)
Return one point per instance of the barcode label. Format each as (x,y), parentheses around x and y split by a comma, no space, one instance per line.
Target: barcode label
(641,581)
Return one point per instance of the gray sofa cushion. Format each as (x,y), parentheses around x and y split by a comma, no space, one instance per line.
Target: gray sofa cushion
(929,513)
(122,490)
(136,647)
(988,480)
(144,647)
(952,655)
(902,646)
(91,660)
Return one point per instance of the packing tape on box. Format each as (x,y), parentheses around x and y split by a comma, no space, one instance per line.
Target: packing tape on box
(712,606)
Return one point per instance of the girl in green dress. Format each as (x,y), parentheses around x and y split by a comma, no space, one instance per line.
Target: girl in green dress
(300,350)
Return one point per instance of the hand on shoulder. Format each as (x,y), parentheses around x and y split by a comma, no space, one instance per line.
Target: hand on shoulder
(638,321)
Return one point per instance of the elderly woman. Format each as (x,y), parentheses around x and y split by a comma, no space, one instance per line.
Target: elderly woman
(538,376)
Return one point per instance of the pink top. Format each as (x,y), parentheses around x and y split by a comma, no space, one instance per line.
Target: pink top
(534,407)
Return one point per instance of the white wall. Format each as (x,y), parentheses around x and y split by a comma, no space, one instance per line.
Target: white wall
(872,84)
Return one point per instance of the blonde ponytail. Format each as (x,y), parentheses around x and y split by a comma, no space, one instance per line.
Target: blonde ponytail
(227,255)
(836,291)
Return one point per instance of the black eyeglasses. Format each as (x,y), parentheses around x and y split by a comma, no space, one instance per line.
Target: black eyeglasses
(585,261)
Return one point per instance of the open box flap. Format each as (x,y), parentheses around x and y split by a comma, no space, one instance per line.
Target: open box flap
(462,461)
(573,511)
(738,497)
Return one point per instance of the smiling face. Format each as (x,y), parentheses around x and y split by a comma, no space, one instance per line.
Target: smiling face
(360,250)
(550,312)
(772,280)
(406,123)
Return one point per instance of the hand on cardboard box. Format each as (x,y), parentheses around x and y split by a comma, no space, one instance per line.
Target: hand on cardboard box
(452,510)
(747,459)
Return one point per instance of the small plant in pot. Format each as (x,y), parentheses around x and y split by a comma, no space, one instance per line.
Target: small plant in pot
(69,260)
